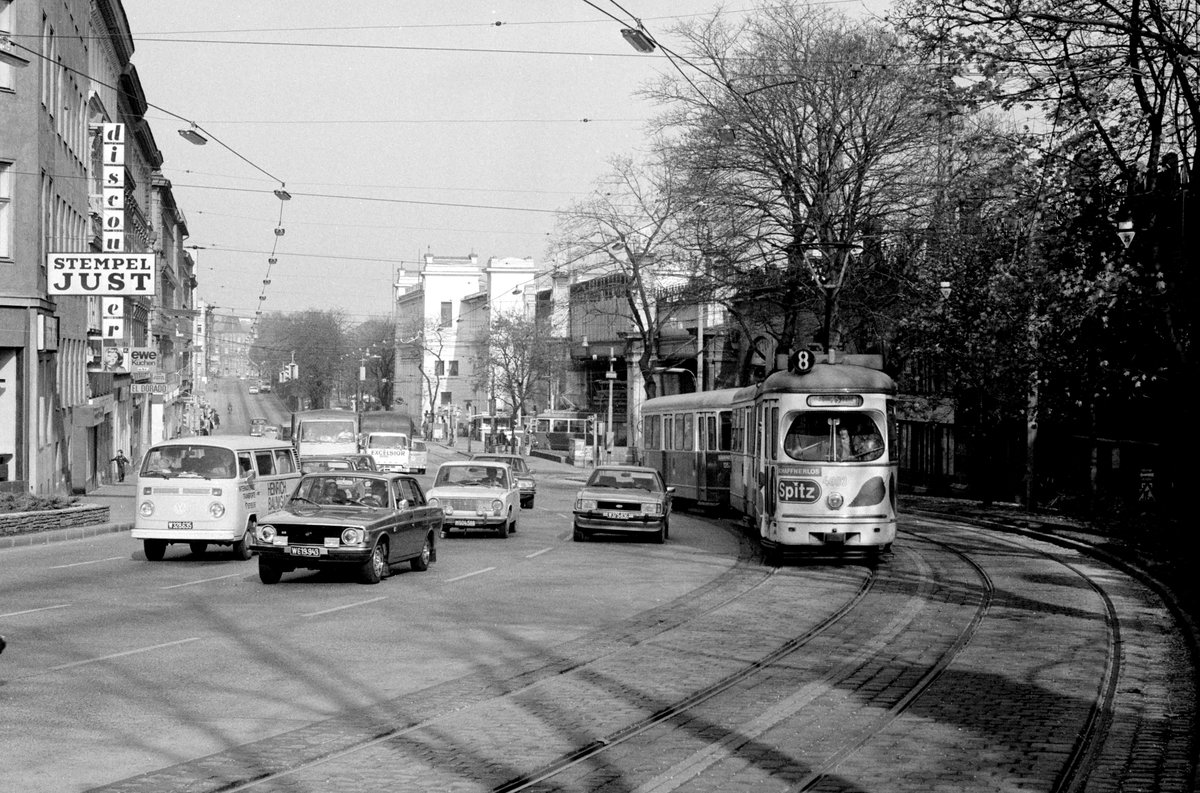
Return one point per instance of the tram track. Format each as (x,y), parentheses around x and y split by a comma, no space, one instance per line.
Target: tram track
(935,588)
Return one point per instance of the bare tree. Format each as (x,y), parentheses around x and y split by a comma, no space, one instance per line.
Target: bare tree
(802,133)
(519,356)
(627,233)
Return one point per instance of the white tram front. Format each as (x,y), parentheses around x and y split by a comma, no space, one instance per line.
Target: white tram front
(814,462)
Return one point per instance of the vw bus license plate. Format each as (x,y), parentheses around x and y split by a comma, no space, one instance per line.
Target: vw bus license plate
(179,524)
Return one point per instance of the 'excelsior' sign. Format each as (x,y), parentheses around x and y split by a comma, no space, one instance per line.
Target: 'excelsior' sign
(118,275)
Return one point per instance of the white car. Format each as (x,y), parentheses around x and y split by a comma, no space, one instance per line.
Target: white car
(476,496)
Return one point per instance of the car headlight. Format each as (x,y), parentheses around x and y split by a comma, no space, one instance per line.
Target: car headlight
(353,537)
(216,509)
(585,504)
(652,509)
(266,533)
(497,506)
(146,509)
(434,501)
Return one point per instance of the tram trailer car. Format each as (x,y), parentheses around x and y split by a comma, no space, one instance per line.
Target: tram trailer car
(812,455)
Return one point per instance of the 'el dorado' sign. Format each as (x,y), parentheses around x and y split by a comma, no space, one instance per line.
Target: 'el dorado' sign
(119,274)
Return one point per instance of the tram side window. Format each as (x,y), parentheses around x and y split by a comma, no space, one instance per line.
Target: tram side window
(725,439)
(653,436)
(668,432)
(773,454)
(689,432)
(825,436)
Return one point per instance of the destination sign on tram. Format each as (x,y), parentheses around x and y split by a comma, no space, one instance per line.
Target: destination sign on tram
(799,491)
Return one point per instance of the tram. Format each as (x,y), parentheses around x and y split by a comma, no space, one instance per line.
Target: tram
(808,456)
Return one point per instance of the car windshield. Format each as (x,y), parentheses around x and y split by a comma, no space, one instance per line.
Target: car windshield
(189,460)
(313,466)
(471,476)
(339,489)
(625,480)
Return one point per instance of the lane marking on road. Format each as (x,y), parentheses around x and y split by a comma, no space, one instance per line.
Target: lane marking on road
(202,581)
(34,611)
(121,655)
(80,564)
(538,553)
(468,575)
(347,606)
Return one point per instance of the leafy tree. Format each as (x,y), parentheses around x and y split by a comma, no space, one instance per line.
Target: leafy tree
(318,341)
(376,340)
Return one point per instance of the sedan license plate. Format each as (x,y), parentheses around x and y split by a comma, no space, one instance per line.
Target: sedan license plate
(302,551)
(616,515)
(179,524)
(464,523)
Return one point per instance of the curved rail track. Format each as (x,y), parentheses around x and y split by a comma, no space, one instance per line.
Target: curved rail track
(967,661)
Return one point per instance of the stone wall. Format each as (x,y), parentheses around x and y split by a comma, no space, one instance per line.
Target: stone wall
(13,523)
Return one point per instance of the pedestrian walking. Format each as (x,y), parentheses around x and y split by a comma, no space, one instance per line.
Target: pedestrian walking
(121,460)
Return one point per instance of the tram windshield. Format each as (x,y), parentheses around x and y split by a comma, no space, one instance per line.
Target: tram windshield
(828,436)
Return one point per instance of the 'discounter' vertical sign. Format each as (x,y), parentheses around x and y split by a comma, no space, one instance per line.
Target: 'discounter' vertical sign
(112,272)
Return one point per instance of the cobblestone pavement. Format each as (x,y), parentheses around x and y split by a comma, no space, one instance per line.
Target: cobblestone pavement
(965,663)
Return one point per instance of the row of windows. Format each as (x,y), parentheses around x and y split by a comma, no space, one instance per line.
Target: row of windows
(439,368)
(689,431)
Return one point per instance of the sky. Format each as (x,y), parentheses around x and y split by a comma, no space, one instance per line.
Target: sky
(399,128)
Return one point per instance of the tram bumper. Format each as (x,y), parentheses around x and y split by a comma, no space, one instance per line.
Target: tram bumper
(819,537)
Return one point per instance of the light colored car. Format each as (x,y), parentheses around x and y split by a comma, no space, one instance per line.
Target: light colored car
(623,499)
(476,496)
(525,481)
(256,426)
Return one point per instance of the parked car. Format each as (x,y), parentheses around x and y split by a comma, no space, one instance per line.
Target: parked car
(476,496)
(256,426)
(525,481)
(623,499)
(357,519)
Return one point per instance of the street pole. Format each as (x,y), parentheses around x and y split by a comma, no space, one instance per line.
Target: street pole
(609,435)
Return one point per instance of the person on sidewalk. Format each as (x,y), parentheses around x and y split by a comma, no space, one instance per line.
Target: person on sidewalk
(121,460)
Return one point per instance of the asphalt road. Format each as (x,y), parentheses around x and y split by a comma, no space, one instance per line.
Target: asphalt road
(120,666)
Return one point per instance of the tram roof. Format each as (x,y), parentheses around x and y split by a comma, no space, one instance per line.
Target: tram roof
(720,398)
(830,377)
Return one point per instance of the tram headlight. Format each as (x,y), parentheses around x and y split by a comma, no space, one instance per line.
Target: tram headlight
(216,509)
(834,501)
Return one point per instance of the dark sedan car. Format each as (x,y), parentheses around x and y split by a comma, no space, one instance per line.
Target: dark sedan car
(623,499)
(337,462)
(525,481)
(357,519)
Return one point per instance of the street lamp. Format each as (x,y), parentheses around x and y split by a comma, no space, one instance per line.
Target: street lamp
(611,376)
(192,135)
(677,370)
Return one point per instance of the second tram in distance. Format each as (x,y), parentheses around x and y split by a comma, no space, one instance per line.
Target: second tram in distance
(808,456)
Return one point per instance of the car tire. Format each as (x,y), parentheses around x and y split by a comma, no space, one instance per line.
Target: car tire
(375,567)
(660,536)
(421,562)
(197,547)
(578,536)
(267,572)
(504,530)
(666,528)
(155,549)
(241,548)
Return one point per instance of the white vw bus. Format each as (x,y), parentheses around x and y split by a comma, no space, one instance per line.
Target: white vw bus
(210,490)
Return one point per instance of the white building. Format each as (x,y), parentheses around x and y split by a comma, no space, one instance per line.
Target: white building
(443,312)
